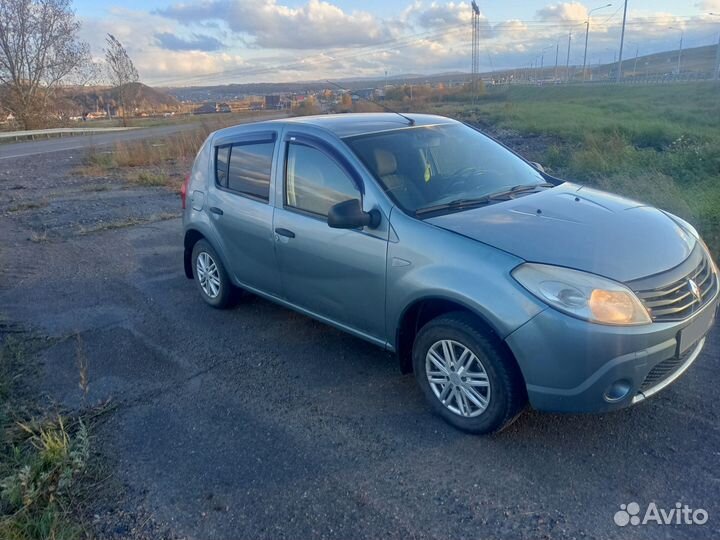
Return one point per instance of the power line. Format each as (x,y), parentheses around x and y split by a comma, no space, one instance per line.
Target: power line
(391,45)
(377,48)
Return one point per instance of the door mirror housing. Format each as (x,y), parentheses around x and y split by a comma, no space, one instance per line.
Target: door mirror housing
(350,215)
(538,166)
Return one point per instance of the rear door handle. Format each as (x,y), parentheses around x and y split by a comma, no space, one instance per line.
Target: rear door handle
(285,232)
(216,210)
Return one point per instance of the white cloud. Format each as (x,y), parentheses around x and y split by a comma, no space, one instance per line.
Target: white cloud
(315,25)
(268,41)
(440,14)
(712,6)
(564,11)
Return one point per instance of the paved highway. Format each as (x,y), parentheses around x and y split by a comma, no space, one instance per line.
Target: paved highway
(31,148)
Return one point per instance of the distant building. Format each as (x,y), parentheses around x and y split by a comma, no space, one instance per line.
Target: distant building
(272,102)
(365,93)
(213,107)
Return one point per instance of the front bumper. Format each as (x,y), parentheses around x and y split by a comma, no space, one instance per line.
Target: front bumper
(571,365)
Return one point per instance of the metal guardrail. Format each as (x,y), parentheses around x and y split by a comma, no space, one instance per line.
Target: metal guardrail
(34,134)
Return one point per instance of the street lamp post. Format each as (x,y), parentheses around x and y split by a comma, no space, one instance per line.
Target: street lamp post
(542,59)
(682,34)
(622,42)
(587,33)
(716,75)
(557,54)
(637,53)
(567,60)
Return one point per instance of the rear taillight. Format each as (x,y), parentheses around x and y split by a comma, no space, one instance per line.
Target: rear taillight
(184,189)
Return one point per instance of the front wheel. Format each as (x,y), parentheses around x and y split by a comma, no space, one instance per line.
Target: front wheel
(466,375)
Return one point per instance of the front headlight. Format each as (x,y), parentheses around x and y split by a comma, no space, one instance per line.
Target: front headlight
(582,295)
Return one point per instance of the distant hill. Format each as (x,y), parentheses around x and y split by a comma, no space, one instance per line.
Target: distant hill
(143,97)
(697,61)
(229,92)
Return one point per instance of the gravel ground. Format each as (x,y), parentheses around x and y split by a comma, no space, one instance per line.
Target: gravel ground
(260,423)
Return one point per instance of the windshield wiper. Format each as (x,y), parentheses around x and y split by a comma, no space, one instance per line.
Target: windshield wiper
(453,205)
(459,204)
(517,189)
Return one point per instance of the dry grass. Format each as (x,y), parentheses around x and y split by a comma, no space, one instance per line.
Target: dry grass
(128,222)
(39,237)
(22,207)
(161,162)
(151,162)
(43,457)
(147,153)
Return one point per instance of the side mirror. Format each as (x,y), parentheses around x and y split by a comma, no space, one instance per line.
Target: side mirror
(537,166)
(350,215)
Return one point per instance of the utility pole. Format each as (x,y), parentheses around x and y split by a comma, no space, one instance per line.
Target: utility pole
(716,75)
(475,47)
(637,52)
(557,54)
(567,61)
(587,32)
(622,41)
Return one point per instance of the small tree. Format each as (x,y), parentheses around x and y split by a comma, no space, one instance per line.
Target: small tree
(39,49)
(346,102)
(121,72)
(307,107)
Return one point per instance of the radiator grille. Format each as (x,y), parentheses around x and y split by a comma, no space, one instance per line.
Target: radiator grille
(679,300)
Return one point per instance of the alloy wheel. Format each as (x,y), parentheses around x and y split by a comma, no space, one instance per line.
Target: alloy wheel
(457,378)
(208,274)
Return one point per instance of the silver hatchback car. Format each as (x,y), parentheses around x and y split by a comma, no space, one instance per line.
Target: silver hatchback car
(494,282)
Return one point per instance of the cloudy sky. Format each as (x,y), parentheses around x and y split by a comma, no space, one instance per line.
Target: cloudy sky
(199,42)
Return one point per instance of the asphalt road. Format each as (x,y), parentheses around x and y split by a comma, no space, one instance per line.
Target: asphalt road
(32,148)
(64,144)
(257,422)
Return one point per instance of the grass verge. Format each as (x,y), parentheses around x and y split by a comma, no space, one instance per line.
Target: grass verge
(657,144)
(44,457)
(152,162)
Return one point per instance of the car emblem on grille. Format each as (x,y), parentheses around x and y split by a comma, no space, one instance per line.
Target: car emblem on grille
(695,290)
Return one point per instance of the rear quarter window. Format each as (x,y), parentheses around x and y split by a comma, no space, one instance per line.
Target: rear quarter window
(221,165)
(245,168)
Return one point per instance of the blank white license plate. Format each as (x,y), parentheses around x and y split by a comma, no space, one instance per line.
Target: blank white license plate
(696,329)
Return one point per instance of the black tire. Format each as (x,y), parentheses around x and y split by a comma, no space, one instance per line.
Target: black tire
(507,393)
(226,293)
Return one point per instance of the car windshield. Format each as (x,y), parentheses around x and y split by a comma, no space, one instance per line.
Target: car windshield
(428,166)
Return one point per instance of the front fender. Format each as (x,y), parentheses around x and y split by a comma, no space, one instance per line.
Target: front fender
(430,262)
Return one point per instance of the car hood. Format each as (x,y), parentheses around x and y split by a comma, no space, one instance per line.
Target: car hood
(578,227)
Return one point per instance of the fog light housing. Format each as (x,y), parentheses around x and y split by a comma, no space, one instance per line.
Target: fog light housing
(617,391)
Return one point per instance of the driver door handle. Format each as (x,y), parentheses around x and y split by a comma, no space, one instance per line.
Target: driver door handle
(284,232)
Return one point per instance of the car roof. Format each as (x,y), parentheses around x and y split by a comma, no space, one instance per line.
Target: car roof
(351,124)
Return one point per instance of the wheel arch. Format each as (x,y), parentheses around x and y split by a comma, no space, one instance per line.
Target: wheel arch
(421,311)
(192,237)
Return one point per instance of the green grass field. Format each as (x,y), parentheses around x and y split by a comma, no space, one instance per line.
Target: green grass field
(657,144)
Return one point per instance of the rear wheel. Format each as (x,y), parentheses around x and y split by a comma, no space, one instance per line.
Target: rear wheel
(210,276)
(466,374)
